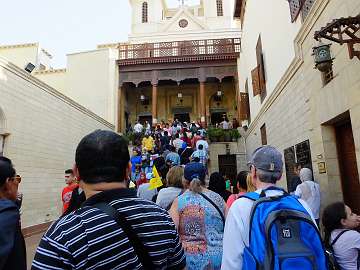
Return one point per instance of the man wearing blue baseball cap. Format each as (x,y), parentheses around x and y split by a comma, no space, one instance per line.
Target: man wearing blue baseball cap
(266,167)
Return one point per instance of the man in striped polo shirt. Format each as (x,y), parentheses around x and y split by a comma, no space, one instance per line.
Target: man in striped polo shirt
(90,238)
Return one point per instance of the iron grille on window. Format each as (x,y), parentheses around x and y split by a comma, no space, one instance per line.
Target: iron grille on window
(219,7)
(145,12)
(306,8)
(300,6)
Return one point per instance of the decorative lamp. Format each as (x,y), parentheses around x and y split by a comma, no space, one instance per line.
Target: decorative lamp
(142,97)
(322,57)
(179,95)
(219,93)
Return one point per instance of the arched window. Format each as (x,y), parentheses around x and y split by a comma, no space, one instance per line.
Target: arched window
(219,7)
(145,12)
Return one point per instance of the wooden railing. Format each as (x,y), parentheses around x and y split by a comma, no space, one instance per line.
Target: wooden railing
(176,49)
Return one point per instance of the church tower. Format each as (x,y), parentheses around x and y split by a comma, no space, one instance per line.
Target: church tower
(146,15)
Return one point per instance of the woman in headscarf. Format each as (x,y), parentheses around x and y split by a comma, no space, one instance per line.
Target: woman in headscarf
(309,191)
(199,215)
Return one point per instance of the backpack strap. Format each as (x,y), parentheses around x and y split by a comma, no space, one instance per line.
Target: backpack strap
(253,196)
(337,238)
(213,204)
(139,248)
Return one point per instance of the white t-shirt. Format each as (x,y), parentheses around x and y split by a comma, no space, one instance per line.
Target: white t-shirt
(204,143)
(309,191)
(138,128)
(178,144)
(236,234)
(346,249)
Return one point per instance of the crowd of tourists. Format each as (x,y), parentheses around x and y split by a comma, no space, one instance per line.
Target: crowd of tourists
(160,209)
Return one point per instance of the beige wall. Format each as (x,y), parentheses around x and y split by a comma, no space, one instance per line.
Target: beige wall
(44,129)
(300,105)
(55,78)
(21,55)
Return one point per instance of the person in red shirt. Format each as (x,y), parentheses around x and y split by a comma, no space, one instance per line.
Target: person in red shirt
(70,181)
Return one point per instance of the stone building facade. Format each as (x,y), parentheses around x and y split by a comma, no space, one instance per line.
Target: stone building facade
(312,119)
(39,130)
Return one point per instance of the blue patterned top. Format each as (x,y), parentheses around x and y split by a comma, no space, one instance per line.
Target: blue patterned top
(201,230)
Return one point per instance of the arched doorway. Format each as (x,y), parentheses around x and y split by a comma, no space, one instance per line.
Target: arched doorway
(218,109)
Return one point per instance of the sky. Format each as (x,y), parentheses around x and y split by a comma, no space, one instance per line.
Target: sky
(66,26)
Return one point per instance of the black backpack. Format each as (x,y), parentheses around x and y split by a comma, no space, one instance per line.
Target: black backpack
(333,265)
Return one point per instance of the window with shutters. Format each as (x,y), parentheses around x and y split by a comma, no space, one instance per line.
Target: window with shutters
(244,106)
(219,7)
(255,81)
(263,135)
(261,66)
(298,7)
(145,12)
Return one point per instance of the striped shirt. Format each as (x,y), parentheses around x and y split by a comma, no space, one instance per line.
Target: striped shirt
(90,239)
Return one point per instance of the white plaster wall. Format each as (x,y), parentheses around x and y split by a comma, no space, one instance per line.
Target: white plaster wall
(277,35)
(302,105)
(45,128)
(21,56)
(90,80)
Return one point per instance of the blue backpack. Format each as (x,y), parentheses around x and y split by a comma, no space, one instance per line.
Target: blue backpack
(282,235)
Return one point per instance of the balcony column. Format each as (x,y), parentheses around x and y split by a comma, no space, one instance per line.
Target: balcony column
(154,103)
(202,104)
(120,109)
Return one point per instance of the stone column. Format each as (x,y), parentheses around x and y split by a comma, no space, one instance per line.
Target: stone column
(154,103)
(202,103)
(120,106)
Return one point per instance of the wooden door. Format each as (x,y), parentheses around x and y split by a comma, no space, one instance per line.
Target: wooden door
(348,166)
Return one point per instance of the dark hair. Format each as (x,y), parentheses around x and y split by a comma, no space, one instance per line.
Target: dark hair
(69,171)
(6,170)
(166,133)
(200,147)
(172,148)
(102,156)
(331,219)
(177,135)
(217,182)
(241,179)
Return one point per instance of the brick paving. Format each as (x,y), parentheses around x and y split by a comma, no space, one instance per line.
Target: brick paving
(31,244)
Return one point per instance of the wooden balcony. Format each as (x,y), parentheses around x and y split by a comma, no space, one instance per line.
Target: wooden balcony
(179,51)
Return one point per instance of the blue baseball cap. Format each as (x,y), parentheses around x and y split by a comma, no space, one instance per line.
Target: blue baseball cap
(194,170)
(267,158)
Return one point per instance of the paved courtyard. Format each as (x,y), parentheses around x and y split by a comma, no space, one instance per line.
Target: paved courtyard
(31,244)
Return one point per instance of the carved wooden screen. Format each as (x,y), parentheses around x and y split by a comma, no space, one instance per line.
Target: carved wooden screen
(260,62)
(219,7)
(255,81)
(295,8)
(145,12)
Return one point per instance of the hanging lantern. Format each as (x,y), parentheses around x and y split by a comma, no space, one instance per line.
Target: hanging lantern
(219,93)
(322,57)
(142,97)
(179,95)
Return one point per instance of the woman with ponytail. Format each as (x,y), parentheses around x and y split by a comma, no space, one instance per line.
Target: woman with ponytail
(199,215)
(340,235)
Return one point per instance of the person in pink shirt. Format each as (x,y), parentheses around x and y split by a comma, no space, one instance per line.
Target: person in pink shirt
(243,185)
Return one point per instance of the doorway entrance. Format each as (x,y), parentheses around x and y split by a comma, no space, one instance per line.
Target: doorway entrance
(348,165)
(228,167)
(182,117)
(144,118)
(217,117)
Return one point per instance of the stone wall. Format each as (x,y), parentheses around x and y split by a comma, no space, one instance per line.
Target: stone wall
(42,128)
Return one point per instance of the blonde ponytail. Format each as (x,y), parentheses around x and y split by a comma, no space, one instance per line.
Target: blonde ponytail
(195,185)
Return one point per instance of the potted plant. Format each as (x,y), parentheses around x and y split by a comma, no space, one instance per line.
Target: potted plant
(220,134)
(227,135)
(235,135)
(211,134)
